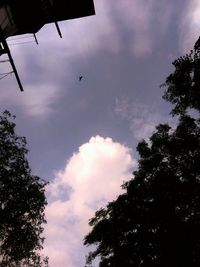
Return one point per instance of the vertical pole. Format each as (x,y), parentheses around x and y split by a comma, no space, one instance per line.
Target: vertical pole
(53,14)
(58,29)
(35,37)
(13,65)
(7,51)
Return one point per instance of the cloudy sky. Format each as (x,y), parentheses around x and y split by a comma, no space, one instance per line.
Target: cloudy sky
(82,135)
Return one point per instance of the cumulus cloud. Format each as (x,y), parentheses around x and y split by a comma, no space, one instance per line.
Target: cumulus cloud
(189,25)
(91,178)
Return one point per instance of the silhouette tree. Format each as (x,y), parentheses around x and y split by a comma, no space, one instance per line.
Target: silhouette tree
(22,202)
(156,222)
(182,86)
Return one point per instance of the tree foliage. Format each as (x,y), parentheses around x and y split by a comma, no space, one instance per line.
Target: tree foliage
(22,202)
(156,222)
(182,86)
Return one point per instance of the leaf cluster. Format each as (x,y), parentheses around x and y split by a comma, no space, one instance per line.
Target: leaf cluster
(182,86)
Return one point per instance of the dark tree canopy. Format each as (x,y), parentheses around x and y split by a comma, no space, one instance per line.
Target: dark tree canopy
(182,86)
(22,202)
(156,222)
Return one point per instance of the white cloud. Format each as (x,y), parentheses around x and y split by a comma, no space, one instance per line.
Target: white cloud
(36,100)
(142,119)
(190,25)
(40,82)
(91,178)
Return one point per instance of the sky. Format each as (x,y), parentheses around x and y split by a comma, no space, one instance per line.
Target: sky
(82,135)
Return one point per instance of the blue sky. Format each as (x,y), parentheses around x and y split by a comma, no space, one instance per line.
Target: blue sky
(82,135)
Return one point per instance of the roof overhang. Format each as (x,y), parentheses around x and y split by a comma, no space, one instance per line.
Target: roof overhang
(22,16)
